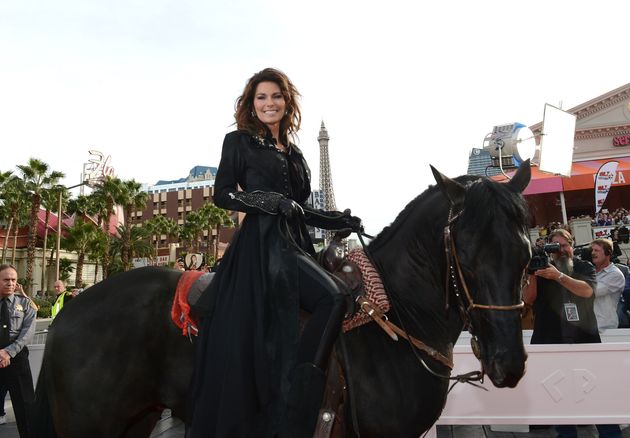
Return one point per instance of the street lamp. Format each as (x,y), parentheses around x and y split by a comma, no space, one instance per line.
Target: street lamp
(59,213)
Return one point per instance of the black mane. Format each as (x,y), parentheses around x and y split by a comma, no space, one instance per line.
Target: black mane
(485,199)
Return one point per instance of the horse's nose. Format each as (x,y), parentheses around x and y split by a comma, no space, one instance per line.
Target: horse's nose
(507,368)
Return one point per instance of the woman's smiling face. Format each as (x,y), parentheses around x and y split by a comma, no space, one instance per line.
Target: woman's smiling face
(269,103)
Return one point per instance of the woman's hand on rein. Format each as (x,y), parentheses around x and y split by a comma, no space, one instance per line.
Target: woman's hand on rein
(290,209)
(352,222)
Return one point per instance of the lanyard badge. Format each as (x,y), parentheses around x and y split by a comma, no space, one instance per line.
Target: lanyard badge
(571,312)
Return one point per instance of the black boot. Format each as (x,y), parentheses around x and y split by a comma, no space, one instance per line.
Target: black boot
(304,401)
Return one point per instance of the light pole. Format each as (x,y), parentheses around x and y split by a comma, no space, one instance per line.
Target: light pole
(59,212)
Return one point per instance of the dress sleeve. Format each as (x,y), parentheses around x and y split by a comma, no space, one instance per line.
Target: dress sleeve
(230,174)
(330,220)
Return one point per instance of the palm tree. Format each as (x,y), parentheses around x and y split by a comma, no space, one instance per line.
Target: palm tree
(213,218)
(65,269)
(80,206)
(131,198)
(4,177)
(192,229)
(4,208)
(13,196)
(50,201)
(96,250)
(78,239)
(159,225)
(107,193)
(138,244)
(37,178)
(21,220)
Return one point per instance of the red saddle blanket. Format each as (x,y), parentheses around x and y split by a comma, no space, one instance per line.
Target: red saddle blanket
(180,312)
(373,286)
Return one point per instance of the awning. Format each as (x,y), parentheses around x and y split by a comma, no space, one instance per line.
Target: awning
(583,174)
(582,177)
(541,182)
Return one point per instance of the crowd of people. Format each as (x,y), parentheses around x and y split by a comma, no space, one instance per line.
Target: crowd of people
(620,216)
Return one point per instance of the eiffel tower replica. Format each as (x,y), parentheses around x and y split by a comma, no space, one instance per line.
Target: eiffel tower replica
(325,177)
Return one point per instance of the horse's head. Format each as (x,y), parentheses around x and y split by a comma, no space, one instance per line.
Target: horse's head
(489,251)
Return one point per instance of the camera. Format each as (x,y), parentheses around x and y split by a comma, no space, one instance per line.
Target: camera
(540,257)
(583,252)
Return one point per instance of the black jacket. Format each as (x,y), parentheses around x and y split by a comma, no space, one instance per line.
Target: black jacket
(265,175)
(249,336)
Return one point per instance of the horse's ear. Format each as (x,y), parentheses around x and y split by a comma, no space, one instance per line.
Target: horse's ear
(453,190)
(521,178)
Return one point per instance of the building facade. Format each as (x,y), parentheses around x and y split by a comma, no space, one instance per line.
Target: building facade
(176,199)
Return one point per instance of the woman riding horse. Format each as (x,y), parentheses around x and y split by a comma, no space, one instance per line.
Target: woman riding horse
(255,376)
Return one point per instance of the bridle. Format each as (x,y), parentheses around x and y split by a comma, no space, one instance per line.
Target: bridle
(455,277)
(453,265)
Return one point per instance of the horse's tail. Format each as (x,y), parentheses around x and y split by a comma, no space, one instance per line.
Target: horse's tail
(42,423)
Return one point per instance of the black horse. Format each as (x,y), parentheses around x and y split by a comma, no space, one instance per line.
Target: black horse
(114,359)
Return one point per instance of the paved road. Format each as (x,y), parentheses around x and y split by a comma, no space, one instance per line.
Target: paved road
(169,427)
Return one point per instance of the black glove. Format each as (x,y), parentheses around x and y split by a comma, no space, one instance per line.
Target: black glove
(290,209)
(352,222)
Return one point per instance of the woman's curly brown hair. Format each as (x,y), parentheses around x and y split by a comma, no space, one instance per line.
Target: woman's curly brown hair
(290,123)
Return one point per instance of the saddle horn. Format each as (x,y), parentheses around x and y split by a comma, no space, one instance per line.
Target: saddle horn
(454,191)
(521,178)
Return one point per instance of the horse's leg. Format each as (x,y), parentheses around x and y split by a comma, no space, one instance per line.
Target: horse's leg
(402,401)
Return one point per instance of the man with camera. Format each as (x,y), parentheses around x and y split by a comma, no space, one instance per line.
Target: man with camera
(562,293)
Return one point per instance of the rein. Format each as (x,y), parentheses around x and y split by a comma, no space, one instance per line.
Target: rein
(454,277)
(392,330)
(469,377)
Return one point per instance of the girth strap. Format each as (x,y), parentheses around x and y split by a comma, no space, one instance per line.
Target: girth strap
(392,330)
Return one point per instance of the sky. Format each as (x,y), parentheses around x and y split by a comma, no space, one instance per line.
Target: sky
(399,84)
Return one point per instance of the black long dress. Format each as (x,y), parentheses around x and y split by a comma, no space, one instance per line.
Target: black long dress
(248,339)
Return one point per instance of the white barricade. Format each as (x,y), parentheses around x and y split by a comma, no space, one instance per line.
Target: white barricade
(564,384)
(35,357)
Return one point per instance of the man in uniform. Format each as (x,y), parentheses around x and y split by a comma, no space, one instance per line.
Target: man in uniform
(17,327)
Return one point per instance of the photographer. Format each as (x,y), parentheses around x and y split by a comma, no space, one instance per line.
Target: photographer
(562,294)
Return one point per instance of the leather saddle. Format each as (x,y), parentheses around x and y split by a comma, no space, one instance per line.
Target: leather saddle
(347,275)
(344,272)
